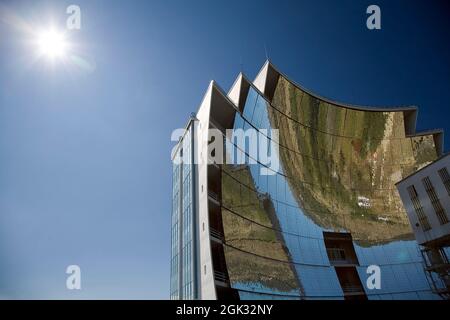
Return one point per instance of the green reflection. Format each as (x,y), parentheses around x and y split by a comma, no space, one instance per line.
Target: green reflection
(350,160)
(251,250)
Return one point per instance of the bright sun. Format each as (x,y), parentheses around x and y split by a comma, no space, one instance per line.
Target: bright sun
(52,44)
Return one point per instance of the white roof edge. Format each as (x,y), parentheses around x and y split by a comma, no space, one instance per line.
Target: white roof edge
(205,100)
(260,80)
(235,90)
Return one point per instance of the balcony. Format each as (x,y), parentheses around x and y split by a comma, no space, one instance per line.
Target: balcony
(214,196)
(221,279)
(340,249)
(352,289)
(437,267)
(338,257)
(350,283)
(216,235)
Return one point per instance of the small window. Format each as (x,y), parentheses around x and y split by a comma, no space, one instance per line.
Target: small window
(439,210)
(445,176)
(423,220)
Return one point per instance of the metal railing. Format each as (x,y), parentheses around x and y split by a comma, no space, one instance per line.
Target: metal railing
(338,256)
(215,233)
(213,195)
(352,288)
(220,276)
(437,272)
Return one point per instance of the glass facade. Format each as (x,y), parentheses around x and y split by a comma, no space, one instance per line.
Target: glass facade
(183,261)
(175,251)
(338,169)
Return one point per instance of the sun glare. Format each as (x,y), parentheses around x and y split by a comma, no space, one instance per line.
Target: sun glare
(52,44)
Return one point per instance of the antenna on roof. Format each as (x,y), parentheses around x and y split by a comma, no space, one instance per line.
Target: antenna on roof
(241,64)
(265,50)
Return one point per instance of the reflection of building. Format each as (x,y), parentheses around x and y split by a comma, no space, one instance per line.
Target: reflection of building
(310,229)
(426,197)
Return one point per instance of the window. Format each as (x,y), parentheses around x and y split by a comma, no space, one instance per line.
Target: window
(440,212)
(443,173)
(183,221)
(336,254)
(423,220)
(250,104)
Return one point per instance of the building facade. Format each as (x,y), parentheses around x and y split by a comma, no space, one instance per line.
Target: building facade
(311,220)
(426,198)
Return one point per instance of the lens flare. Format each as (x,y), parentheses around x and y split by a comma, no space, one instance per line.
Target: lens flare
(52,44)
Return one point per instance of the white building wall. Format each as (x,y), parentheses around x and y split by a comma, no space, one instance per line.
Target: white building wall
(437,230)
(206,281)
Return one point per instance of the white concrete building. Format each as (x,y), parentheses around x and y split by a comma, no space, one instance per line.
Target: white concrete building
(426,197)
(305,219)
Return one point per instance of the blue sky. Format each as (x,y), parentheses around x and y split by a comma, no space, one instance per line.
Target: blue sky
(85,172)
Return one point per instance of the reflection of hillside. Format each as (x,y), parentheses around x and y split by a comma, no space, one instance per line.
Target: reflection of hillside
(243,236)
(338,155)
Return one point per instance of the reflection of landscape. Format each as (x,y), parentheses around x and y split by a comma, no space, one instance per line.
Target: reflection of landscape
(338,169)
(259,239)
(349,161)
